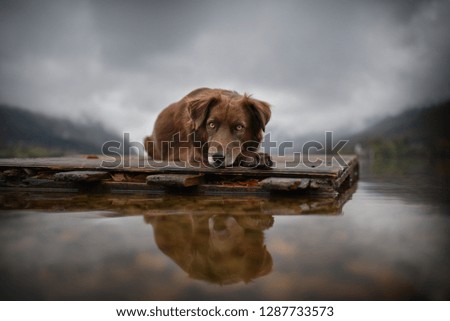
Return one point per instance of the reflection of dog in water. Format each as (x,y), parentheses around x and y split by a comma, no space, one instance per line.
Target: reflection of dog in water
(222,249)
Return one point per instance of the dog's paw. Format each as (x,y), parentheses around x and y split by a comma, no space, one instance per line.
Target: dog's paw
(257,160)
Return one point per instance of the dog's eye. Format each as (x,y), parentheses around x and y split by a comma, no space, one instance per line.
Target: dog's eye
(212,125)
(239,127)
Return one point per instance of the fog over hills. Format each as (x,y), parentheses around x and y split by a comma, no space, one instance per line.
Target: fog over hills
(322,65)
(29,134)
(418,132)
(415,132)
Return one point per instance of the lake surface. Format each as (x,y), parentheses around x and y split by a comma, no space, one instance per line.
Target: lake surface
(389,240)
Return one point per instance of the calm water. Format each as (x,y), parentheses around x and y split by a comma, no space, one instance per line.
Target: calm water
(389,240)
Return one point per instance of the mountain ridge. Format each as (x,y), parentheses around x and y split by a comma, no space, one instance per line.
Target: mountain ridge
(30,134)
(414,132)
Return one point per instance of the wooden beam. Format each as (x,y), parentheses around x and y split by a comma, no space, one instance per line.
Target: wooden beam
(174,180)
(285,167)
(81,176)
(284,184)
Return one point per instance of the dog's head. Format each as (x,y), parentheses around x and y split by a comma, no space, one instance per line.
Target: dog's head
(229,123)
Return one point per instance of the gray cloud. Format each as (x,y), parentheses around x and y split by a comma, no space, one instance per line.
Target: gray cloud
(322,64)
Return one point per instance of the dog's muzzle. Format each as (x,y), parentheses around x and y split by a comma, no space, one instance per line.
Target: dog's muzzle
(218,160)
(219,156)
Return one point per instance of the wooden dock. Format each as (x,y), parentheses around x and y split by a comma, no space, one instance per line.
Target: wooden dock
(317,175)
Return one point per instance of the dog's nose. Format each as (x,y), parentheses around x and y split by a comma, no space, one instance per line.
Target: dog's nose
(218,159)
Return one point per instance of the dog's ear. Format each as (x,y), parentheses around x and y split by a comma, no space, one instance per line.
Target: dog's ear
(259,110)
(199,106)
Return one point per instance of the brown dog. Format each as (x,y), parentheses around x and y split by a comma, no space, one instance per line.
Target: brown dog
(221,249)
(211,126)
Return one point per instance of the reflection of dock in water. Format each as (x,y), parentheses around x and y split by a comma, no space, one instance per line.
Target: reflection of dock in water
(154,205)
(141,187)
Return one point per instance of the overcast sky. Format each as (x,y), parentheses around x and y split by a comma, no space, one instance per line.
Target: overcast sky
(323,65)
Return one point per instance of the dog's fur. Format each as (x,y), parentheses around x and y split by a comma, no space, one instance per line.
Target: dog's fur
(211,126)
(221,249)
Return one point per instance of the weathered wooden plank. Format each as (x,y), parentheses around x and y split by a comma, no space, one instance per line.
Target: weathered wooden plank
(284,184)
(285,166)
(81,176)
(349,174)
(174,180)
(146,176)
